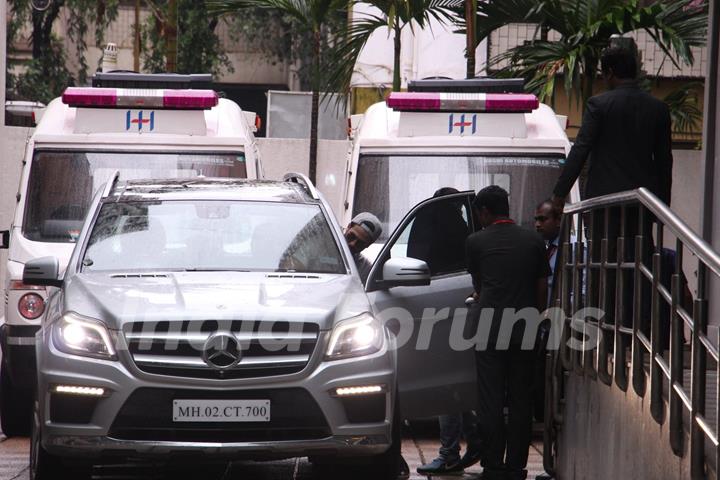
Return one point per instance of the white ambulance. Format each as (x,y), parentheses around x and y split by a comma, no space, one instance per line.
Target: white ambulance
(144,126)
(439,135)
(407,155)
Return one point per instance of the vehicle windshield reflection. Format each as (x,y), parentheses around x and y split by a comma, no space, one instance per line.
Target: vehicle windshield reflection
(525,177)
(56,214)
(203,236)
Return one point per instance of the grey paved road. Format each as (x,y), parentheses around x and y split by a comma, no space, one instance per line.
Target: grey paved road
(417,448)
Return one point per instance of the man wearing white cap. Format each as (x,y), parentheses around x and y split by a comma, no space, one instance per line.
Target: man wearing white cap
(362,232)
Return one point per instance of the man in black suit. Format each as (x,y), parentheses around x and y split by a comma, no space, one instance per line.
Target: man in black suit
(626,134)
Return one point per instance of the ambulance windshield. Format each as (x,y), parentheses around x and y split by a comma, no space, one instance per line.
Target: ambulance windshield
(62,183)
(390,185)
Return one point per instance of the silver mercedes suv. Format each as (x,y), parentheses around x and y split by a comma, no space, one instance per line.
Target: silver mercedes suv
(209,316)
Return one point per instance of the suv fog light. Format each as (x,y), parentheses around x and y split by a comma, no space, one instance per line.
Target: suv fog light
(363,390)
(31,306)
(77,390)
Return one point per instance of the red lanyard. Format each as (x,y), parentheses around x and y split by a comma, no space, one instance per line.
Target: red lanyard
(500,222)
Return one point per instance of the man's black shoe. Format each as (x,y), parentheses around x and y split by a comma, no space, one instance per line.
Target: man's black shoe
(470,458)
(440,466)
(493,474)
(516,474)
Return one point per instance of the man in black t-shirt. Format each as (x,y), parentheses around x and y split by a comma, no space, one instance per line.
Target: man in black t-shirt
(509,268)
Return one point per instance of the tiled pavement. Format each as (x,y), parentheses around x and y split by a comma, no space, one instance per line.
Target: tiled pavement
(417,448)
(13,458)
(422,450)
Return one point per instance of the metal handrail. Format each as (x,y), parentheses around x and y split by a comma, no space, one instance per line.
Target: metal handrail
(577,271)
(669,219)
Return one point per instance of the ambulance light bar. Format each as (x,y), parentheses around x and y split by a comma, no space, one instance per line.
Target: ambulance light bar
(462,102)
(472,85)
(175,81)
(140,98)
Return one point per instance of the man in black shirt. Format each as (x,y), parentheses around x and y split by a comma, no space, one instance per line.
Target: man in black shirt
(509,268)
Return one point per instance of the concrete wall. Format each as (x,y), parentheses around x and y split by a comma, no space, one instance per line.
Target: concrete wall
(686,200)
(607,433)
(282,155)
(252,65)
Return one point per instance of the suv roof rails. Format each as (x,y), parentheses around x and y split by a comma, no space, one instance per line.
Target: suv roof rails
(194,81)
(301,179)
(111,183)
(472,85)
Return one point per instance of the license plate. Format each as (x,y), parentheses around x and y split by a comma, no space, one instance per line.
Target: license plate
(221,410)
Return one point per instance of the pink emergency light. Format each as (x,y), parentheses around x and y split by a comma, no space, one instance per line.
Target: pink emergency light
(462,102)
(140,98)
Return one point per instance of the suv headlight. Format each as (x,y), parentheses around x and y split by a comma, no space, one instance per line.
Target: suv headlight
(84,336)
(361,335)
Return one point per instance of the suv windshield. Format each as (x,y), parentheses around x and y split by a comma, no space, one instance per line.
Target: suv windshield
(212,235)
(528,180)
(62,183)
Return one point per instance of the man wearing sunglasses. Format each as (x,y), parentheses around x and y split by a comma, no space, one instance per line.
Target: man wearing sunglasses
(362,232)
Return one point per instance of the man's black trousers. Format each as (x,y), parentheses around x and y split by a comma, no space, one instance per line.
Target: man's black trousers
(500,373)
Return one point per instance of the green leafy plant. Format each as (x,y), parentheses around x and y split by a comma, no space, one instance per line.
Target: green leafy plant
(395,15)
(198,47)
(281,38)
(310,16)
(46,77)
(684,104)
(49,59)
(585,28)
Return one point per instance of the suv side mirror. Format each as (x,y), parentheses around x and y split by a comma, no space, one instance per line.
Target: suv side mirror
(42,271)
(405,272)
(4,238)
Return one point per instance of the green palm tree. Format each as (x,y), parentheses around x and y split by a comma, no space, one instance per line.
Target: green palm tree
(310,15)
(395,15)
(585,28)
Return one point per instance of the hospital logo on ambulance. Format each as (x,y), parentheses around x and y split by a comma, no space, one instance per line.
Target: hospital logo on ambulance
(140,120)
(465,121)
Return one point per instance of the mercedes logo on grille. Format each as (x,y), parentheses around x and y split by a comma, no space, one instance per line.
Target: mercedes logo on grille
(221,351)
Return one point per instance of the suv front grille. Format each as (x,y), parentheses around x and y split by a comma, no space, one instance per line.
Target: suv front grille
(176,348)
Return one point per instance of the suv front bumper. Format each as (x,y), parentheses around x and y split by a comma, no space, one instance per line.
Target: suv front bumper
(338,445)
(134,417)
